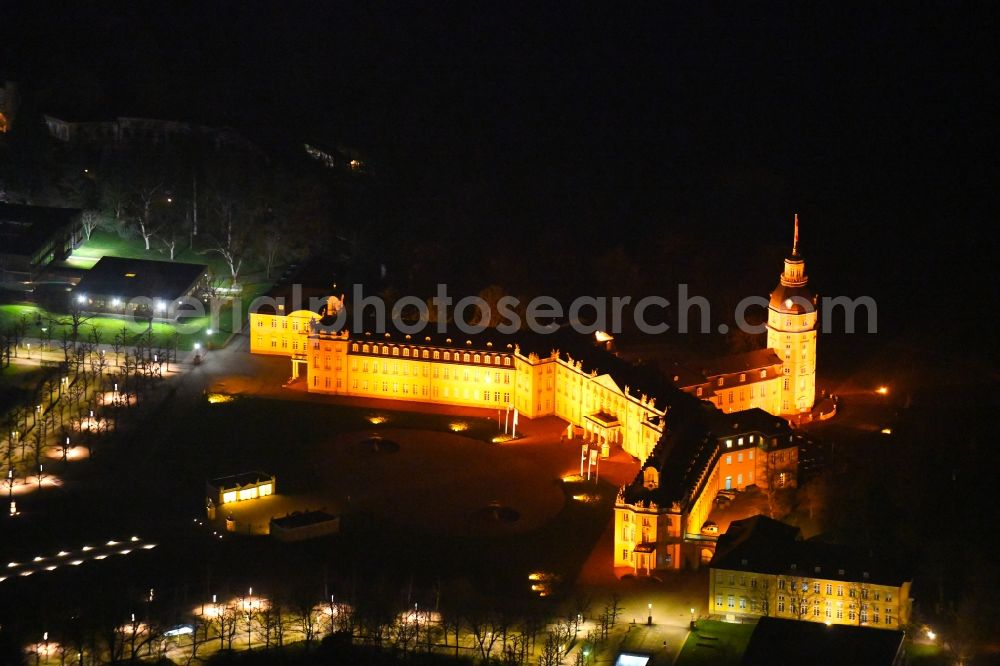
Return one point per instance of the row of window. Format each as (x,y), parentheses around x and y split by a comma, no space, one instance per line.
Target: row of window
(865,615)
(417,390)
(447,373)
(739,457)
(437,355)
(721,381)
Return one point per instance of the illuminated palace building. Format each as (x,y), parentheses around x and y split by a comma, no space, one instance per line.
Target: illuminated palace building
(613,402)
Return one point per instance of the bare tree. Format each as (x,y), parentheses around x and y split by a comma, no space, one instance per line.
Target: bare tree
(90,221)
(145,196)
(271,246)
(800,594)
(551,652)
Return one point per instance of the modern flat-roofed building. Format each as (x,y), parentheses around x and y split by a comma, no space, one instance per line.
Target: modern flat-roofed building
(139,287)
(32,237)
(780,641)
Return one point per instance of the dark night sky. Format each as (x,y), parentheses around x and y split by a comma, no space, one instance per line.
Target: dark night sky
(874,123)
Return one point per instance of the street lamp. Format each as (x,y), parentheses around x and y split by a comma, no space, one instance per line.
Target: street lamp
(649,618)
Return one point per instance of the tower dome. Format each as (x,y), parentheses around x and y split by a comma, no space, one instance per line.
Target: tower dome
(792,296)
(791,332)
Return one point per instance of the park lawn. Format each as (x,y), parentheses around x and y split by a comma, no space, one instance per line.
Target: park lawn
(189,331)
(925,654)
(107,327)
(715,642)
(105,243)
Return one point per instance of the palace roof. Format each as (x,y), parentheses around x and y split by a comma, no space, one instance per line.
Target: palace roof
(754,420)
(762,545)
(759,359)
(641,379)
(690,447)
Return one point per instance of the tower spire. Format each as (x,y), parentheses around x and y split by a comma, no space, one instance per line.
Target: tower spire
(795,241)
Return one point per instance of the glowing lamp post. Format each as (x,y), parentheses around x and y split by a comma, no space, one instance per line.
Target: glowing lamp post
(649,617)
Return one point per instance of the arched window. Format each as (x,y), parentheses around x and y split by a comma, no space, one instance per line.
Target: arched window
(437,355)
(354,347)
(447,356)
(465,357)
(385,350)
(425,354)
(476,358)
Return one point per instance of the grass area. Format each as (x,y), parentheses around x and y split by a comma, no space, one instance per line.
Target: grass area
(188,332)
(926,654)
(107,327)
(715,642)
(18,383)
(105,243)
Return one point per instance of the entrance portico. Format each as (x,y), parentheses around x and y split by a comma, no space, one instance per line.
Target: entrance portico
(602,429)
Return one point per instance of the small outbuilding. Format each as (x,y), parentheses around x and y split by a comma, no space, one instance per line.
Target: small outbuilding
(239,487)
(302,525)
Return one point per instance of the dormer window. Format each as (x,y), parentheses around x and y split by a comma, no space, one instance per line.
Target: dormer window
(793,566)
(720,381)
(729,443)
(743,376)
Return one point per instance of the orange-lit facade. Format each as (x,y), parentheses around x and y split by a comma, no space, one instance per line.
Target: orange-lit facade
(441,370)
(671,529)
(764,568)
(791,333)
